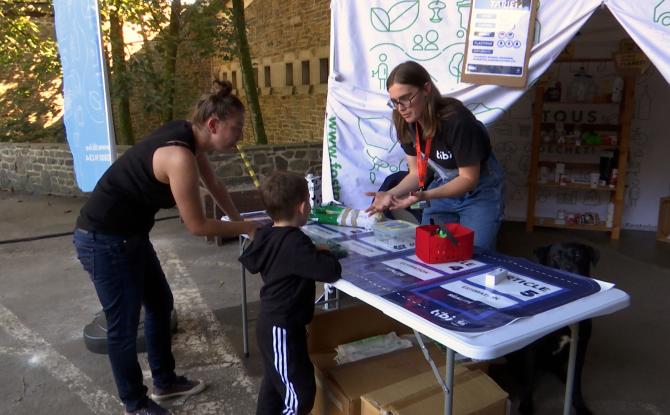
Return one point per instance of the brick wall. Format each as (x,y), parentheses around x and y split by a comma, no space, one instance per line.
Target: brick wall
(282,32)
(47,168)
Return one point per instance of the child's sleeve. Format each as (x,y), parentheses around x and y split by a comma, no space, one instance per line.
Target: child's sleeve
(314,264)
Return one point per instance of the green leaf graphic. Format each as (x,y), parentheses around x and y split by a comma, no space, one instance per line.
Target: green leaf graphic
(380,19)
(399,17)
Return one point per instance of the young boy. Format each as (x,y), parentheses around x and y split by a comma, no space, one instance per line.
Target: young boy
(289,264)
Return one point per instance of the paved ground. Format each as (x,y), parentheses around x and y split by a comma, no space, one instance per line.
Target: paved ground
(46,299)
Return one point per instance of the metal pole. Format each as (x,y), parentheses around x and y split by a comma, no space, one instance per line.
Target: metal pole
(245,328)
(572,360)
(449,380)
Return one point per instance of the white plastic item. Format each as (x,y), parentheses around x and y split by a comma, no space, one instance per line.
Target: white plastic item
(370,346)
(395,232)
(495,276)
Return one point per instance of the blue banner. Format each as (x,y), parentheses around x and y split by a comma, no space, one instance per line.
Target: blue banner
(88,119)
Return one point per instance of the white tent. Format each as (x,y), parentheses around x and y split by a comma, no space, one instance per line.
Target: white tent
(369,38)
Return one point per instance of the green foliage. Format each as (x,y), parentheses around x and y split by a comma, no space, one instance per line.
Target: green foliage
(29,73)
(203,29)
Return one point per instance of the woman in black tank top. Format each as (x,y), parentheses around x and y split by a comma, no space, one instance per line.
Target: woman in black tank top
(112,239)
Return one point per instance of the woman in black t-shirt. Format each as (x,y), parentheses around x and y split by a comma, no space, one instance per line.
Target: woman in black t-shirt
(464,183)
(112,239)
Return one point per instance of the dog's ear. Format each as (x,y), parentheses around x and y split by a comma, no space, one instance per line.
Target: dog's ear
(594,255)
(541,253)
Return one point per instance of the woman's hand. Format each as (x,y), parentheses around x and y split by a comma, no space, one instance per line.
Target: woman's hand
(406,202)
(382,201)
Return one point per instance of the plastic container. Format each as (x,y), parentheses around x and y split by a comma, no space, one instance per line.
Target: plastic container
(395,232)
(433,248)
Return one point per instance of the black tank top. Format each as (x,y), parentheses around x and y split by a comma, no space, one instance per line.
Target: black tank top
(127,197)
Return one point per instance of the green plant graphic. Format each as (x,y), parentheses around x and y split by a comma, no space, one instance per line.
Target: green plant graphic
(375,151)
(662,14)
(478,108)
(455,65)
(397,18)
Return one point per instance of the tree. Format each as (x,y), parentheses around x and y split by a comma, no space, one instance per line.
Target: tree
(120,88)
(29,73)
(248,72)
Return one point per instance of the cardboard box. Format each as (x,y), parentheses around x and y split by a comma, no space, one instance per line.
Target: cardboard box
(330,329)
(339,388)
(474,394)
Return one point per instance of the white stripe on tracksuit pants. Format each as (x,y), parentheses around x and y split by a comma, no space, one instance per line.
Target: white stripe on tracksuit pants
(288,386)
(280,363)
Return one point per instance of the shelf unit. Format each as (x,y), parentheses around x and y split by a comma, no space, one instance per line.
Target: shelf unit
(622,128)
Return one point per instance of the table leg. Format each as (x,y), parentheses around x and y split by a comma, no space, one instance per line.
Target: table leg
(572,360)
(330,295)
(447,383)
(245,328)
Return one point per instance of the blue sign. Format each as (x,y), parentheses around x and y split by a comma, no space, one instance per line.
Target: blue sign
(88,120)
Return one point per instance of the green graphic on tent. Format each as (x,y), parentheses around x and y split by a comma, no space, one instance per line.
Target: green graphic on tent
(482,111)
(662,13)
(379,151)
(397,18)
(436,7)
(463,16)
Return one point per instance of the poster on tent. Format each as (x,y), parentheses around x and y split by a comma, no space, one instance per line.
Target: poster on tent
(498,42)
(368,39)
(87,117)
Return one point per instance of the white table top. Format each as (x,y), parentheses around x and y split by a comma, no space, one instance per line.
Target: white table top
(502,340)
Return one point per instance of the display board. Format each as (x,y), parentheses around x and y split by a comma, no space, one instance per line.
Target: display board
(498,44)
(453,295)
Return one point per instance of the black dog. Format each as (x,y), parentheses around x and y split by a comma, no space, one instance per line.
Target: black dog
(551,352)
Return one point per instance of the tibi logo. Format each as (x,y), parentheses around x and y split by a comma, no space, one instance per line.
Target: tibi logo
(443,155)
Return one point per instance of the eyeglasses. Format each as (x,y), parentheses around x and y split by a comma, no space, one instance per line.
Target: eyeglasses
(402,102)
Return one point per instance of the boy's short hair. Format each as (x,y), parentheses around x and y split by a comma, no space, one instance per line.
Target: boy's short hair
(281,192)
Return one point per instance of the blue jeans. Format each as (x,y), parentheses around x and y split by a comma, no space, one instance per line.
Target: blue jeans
(480,209)
(127,274)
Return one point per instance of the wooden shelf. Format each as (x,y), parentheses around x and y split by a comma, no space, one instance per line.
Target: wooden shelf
(573,146)
(576,186)
(551,223)
(620,123)
(579,165)
(583,126)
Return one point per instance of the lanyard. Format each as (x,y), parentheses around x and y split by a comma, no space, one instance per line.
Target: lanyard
(422,158)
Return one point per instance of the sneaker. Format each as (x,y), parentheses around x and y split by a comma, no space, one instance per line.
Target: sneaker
(181,387)
(152,408)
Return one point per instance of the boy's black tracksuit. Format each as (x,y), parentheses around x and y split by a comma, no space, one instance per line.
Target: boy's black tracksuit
(289,264)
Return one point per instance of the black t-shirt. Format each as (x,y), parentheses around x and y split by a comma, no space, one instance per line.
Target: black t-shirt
(461,140)
(127,197)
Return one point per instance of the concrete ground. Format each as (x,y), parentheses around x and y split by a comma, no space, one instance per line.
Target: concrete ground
(46,299)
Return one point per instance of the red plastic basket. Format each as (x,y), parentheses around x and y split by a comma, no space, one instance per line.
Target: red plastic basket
(433,248)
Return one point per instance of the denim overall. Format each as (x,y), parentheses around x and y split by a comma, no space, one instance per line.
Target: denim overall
(480,209)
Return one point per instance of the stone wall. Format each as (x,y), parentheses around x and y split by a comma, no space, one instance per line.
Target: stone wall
(47,168)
